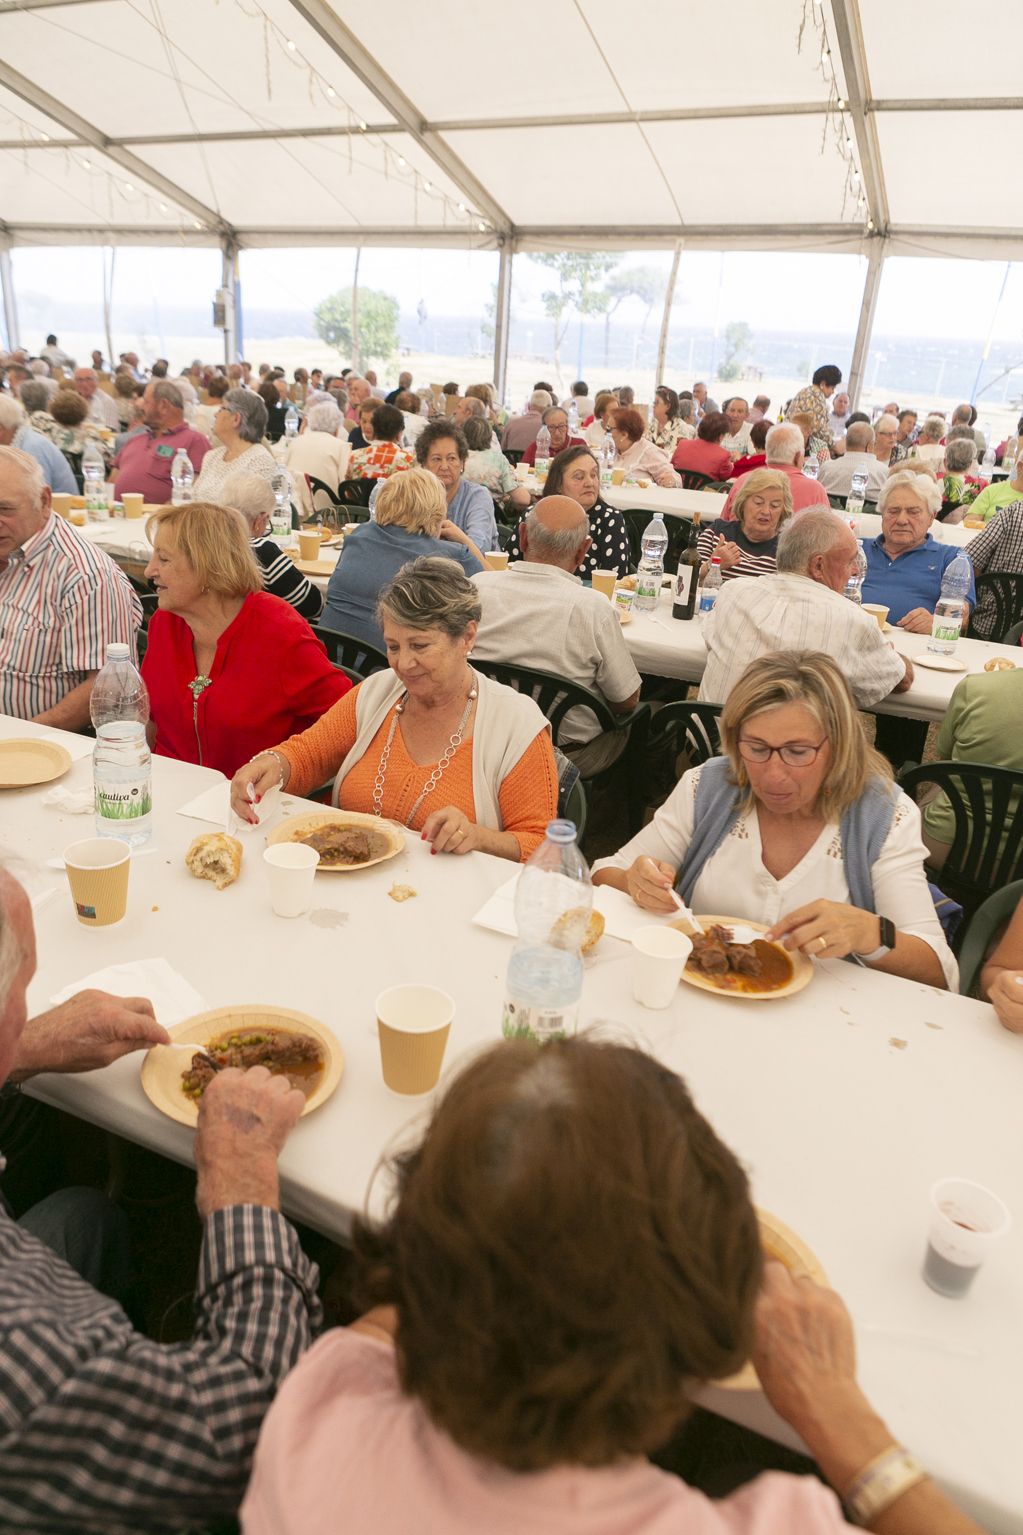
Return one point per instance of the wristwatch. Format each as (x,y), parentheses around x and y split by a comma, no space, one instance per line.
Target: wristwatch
(886,945)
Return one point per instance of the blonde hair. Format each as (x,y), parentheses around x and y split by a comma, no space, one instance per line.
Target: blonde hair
(761,480)
(413,499)
(215,541)
(815,682)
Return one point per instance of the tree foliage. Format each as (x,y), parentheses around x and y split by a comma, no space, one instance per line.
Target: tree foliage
(578,274)
(738,336)
(377,324)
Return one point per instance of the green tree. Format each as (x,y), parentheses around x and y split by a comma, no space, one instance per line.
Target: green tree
(643,282)
(738,336)
(578,274)
(376,336)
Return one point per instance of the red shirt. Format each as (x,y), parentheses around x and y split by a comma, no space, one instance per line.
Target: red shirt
(693,454)
(751,461)
(144,463)
(270,678)
(529,456)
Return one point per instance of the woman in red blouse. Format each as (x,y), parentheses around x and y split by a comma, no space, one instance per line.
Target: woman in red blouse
(703,454)
(230,669)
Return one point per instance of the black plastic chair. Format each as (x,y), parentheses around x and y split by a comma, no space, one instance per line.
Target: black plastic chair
(987,919)
(320,487)
(987,807)
(636,519)
(355,492)
(505,533)
(682,728)
(1014,635)
(513,455)
(75,464)
(692,479)
(1005,609)
(354,657)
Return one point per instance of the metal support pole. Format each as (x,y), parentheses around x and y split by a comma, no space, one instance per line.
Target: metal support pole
(669,299)
(229,281)
(871,287)
(10,303)
(502,317)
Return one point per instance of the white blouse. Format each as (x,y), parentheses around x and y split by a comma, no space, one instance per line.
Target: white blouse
(735,883)
(216,470)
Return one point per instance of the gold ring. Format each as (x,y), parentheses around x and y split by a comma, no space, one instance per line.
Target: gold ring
(822,941)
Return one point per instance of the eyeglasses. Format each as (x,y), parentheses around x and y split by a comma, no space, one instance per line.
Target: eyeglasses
(793,753)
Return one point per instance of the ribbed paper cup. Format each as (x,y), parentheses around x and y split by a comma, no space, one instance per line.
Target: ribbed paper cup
(413,1023)
(133,502)
(97,871)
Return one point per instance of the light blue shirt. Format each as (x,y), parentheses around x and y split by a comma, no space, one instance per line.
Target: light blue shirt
(56,469)
(913,580)
(371,557)
(471,509)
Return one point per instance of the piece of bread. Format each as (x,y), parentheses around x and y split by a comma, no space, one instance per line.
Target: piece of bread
(567,926)
(215,856)
(999,664)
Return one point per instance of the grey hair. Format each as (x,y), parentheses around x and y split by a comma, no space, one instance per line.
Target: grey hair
(959,455)
(324,417)
(562,543)
(169,393)
(34,395)
(540,400)
(859,437)
(12,413)
(40,367)
(784,443)
(933,429)
(801,540)
(922,486)
(431,593)
(554,410)
(960,434)
(476,407)
(249,494)
(888,421)
(685,412)
(29,467)
(253,423)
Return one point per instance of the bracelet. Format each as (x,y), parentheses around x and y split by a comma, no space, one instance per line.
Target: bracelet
(281,765)
(880,1483)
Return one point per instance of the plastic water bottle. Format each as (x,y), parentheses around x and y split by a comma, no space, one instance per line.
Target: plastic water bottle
(607,458)
(856,499)
(987,463)
(182,475)
(573,419)
(711,586)
(542,461)
(650,573)
(857,575)
(121,765)
(94,483)
(291,421)
(1011,454)
(810,468)
(280,521)
(553,901)
(950,608)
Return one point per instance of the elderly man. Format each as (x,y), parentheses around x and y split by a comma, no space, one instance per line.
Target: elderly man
(998,547)
(839,414)
(55,355)
(144,463)
(404,387)
(905,563)
(736,440)
(102,407)
(522,430)
(813,402)
(62,601)
(470,406)
(784,451)
(320,450)
(556,421)
(15,432)
(704,404)
(374,388)
(104,1430)
(802,607)
(761,405)
(537,613)
(836,475)
(580,398)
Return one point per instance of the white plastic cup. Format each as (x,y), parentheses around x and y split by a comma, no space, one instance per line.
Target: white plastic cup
(292,869)
(966,1221)
(659,955)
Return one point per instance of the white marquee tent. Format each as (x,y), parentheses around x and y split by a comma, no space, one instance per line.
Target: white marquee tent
(853,126)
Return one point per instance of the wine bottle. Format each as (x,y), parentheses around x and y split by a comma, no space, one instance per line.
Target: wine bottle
(687,580)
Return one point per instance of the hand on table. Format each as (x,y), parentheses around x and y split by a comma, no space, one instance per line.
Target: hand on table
(844,929)
(650,883)
(1006,997)
(88,1031)
(263,773)
(727,552)
(450,831)
(245,1117)
(917,621)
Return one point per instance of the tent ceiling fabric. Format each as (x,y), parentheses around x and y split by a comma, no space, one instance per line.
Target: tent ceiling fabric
(718,125)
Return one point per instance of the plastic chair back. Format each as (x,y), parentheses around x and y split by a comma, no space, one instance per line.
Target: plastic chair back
(986,921)
(987,808)
(999,604)
(355,657)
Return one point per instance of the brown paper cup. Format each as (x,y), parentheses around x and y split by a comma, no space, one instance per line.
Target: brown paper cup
(878,612)
(61,503)
(97,871)
(497,559)
(413,1023)
(605,581)
(132,501)
(309,546)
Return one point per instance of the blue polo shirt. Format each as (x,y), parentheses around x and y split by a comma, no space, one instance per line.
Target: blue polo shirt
(911,581)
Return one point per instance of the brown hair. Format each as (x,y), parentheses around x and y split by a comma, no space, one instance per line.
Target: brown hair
(215,541)
(629,421)
(713,426)
(570,1247)
(68,407)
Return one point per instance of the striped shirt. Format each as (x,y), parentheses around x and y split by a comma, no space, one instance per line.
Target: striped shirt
(282,579)
(102,1430)
(62,601)
(754,559)
(787,612)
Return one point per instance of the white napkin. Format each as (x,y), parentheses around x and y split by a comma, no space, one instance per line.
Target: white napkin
(174,999)
(214,805)
(73,801)
(622,917)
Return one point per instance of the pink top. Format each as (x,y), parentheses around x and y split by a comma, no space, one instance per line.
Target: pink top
(342,1448)
(804,492)
(645,458)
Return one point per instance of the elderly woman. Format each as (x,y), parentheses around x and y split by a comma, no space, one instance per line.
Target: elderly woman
(71,431)
(321,450)
(747,543)
(238,428)
(411,522)
(443,450)
(665,427)
(960,486)
(636,454)
(704,453)
(928,445)
(251,496)
(798,825)
(487,465)
(576,473)
(887,448)
(431,744)
(360,430)
(534,1338)
(600,426)
(905,563)
(228,667)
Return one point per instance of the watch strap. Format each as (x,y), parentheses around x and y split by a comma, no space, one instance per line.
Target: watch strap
(880,1483)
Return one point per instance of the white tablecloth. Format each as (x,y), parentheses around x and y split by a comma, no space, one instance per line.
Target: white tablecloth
(843,1132)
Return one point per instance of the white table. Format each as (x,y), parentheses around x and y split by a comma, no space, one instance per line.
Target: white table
(673,503)
(125,541)
(662,646)
(842,1131)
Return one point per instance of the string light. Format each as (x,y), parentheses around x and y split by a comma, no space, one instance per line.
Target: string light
(835,108)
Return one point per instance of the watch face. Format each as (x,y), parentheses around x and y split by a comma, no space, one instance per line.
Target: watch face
(887,932)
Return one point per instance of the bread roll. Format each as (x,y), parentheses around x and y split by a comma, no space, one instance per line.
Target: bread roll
(215,856)
(568,924)
(999,664)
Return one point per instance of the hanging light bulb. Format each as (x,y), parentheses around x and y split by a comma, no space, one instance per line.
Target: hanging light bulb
(163,207)
(86,165)
(331,92)
(292,45)
(402,161)
(427,187)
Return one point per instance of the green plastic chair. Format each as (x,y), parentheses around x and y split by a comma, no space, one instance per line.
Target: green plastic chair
(998,908)
(576,809)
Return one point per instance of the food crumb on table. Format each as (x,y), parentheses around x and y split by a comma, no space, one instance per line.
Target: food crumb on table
(898,1044)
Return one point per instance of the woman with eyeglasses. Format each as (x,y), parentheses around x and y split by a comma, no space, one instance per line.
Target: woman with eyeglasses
(798,825)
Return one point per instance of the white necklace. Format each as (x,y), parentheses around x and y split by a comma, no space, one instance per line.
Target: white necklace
(454,742)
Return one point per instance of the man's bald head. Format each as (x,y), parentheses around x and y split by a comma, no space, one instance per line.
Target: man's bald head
(556,532)
(860,437)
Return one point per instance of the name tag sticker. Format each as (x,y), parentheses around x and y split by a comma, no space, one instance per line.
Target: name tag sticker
(164,450)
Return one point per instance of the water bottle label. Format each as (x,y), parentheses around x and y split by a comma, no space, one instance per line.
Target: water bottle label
(129,799)
(541,1024)
(946,630)
(707,601)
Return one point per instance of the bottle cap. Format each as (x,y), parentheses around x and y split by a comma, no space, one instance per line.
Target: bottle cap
(117,651)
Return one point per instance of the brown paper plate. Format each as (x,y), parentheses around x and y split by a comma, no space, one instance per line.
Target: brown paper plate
(802,969)
(295,827)
(313,567)
(780,1242)
(162,1068)
(28,761)
(939,663)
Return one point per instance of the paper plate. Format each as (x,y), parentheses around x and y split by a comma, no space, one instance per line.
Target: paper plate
(802,969)
(28,761)
(314,567)
(295,827)
(162,1068)
(781,1242)
(937,663)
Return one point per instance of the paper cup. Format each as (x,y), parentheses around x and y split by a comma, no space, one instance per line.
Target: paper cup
(97,870)
(605,581)
(132,501)
(966,1220)
(61,503)
(617,476)
(309,545)
(497,559)
(623,598)
(658,957)
(878,613)
(413,1023)
(291,867)
(522,471)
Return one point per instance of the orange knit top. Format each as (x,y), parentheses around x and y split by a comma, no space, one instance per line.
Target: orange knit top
(528,797)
